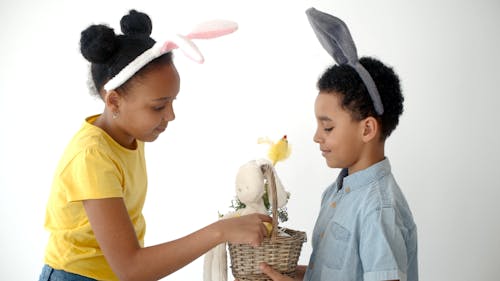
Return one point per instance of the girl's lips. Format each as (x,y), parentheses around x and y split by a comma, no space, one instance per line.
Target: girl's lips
(161,129)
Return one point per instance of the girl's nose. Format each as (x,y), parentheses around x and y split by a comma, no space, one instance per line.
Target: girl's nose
(169,113)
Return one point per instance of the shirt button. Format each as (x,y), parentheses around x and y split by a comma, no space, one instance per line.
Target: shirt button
(311,266)
(347,189)
(333,204)
(322,235)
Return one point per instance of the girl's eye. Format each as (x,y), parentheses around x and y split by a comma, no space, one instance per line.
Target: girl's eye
(158,108)
(328,129)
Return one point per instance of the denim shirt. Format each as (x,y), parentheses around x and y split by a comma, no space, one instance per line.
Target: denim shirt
(365,230)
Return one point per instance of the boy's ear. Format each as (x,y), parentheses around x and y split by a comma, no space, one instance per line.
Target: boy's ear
(370,129)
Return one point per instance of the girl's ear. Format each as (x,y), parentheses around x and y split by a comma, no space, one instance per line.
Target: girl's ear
(112,101)
(370,129)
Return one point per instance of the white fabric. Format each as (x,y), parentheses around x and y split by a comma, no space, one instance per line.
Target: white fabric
(206,30)
(139,62)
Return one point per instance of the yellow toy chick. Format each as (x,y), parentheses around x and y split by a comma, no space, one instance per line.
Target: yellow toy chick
(278,151)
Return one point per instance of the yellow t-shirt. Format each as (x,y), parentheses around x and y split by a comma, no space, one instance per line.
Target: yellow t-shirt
(93,166)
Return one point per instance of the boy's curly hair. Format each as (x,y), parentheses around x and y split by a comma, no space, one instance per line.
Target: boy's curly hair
(345,81)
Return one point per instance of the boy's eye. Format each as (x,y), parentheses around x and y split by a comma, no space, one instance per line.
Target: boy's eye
(328,129)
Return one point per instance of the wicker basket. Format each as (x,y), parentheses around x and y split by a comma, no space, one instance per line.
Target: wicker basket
(280,252)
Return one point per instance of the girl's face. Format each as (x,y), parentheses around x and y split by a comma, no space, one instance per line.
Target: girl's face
(338,135)
(146,108)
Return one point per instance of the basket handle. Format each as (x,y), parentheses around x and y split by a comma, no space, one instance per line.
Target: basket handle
(268,171)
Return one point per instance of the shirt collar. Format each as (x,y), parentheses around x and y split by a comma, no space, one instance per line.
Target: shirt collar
(364,177)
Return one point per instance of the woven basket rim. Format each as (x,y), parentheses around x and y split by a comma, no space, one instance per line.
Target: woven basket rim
(244,257)
(295,235)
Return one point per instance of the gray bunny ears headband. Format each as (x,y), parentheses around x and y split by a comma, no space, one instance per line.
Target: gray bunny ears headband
(335,37)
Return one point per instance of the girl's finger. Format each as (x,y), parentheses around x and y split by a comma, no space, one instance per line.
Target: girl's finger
(265,218)
(263,230)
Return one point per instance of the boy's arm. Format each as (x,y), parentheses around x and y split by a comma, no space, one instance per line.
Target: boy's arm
(301,272)
(382,246)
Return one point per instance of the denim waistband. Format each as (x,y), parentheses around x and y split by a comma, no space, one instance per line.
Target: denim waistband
(51,274)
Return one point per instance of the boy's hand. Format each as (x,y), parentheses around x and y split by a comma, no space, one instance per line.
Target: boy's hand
(276,276)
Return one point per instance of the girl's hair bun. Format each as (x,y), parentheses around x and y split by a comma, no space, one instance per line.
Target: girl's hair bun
(98,43)
(136,24)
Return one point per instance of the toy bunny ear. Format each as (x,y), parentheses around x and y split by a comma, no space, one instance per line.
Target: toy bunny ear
(213,29)
(263,161)
(334,36)
(282,194)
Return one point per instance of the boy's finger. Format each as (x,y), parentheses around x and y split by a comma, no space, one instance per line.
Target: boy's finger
(269,271)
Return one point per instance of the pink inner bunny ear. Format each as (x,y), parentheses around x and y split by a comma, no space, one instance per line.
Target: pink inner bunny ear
(213,29)
(168,46)
(186,45)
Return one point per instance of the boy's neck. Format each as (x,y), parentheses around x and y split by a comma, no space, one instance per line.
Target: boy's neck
(372,154)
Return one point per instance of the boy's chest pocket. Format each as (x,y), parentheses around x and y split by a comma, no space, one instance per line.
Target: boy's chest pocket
(334,245)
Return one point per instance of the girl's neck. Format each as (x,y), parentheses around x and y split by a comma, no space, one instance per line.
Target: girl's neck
(107,124)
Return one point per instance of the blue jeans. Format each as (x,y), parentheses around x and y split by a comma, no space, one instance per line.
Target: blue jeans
(50,274)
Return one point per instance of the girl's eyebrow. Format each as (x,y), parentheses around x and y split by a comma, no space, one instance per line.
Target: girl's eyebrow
(324,118)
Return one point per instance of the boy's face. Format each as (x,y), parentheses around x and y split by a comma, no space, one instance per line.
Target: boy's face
(338,135)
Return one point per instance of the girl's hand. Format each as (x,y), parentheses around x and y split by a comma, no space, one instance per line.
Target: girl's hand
(276,276)
(247,229)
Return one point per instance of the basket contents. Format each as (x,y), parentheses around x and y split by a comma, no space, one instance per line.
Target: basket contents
(259,190)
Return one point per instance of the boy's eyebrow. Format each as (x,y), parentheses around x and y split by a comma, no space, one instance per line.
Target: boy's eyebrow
(164,98)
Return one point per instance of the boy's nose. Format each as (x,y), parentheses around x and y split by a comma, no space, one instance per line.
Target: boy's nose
(316,137)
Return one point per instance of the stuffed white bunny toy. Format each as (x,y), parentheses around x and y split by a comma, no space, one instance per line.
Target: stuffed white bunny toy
(250,187)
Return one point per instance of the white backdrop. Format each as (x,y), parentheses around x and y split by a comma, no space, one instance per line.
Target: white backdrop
(257,82)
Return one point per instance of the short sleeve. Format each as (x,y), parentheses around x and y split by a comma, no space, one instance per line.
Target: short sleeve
(382,247)
(92,174)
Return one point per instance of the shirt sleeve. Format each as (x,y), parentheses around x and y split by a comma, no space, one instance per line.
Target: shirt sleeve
(92,174)
(382,247)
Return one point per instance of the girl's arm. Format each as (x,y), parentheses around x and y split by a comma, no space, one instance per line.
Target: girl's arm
(129,261)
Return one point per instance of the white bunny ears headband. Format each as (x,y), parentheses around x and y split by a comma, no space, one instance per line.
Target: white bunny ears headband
(206,30)
(334,36)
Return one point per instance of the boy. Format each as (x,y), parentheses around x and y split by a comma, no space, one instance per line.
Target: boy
(365,229)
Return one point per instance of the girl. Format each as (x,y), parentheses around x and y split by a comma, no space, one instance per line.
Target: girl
(94,213)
